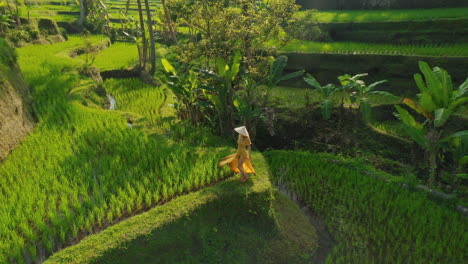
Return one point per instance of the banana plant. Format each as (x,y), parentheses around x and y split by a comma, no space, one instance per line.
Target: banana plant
(252,100)
(276,73)
(187,88)
(438,99)
(361,93)
(437,102)
(326,94)
(222,95)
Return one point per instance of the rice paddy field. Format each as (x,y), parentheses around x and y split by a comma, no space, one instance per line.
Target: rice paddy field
(83,168)
(448,50)
(120,55)
(374,220)
(59,11)
(344,16)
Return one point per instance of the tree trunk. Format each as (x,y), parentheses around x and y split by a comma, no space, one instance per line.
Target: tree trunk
(151,36)
(432,150)
(169,22)
(143,38)
(82,13)
(9,7)
(18,19)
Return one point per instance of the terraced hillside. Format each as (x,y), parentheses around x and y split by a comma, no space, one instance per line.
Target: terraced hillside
(83,168)
(387,44)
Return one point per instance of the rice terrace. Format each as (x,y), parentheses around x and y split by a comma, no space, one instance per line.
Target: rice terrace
(234,131)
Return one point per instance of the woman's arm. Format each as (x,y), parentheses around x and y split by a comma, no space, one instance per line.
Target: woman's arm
(249,148)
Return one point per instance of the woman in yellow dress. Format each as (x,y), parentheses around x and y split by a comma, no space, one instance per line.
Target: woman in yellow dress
(239,162)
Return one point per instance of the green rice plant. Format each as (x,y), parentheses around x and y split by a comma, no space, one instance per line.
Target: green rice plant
(373,221)
(447,50)
(344,16)
(80,164)
(120,55)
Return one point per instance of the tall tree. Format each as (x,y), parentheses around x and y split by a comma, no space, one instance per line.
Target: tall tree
(143,37)
(169,23)
(151,36)
(82,12)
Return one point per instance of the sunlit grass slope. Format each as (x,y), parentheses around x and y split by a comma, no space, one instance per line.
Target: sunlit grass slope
(83,168)
(372,220)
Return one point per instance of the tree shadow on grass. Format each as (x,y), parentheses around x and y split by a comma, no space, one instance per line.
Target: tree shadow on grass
(221,231)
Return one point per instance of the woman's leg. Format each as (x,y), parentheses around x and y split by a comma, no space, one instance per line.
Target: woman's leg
(241,169)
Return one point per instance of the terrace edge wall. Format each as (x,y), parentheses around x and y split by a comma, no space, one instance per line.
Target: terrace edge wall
(440,31)
(379,4)
(16,120)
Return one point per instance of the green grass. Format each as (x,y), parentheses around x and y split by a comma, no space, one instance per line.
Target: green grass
(455,50)
(343,16)
(119,55)
(372,220)
(83,168)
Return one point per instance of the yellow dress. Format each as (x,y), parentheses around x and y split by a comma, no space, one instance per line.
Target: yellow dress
(233,159)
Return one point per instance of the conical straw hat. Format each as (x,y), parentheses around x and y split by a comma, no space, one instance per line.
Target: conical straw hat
(242,130)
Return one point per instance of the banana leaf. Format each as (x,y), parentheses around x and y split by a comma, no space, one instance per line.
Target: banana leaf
(441,116)
(372,86)
(309,79)
(168,67)
(461,91)
(326,109)
(408,119)
(460,134)
(418,108)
